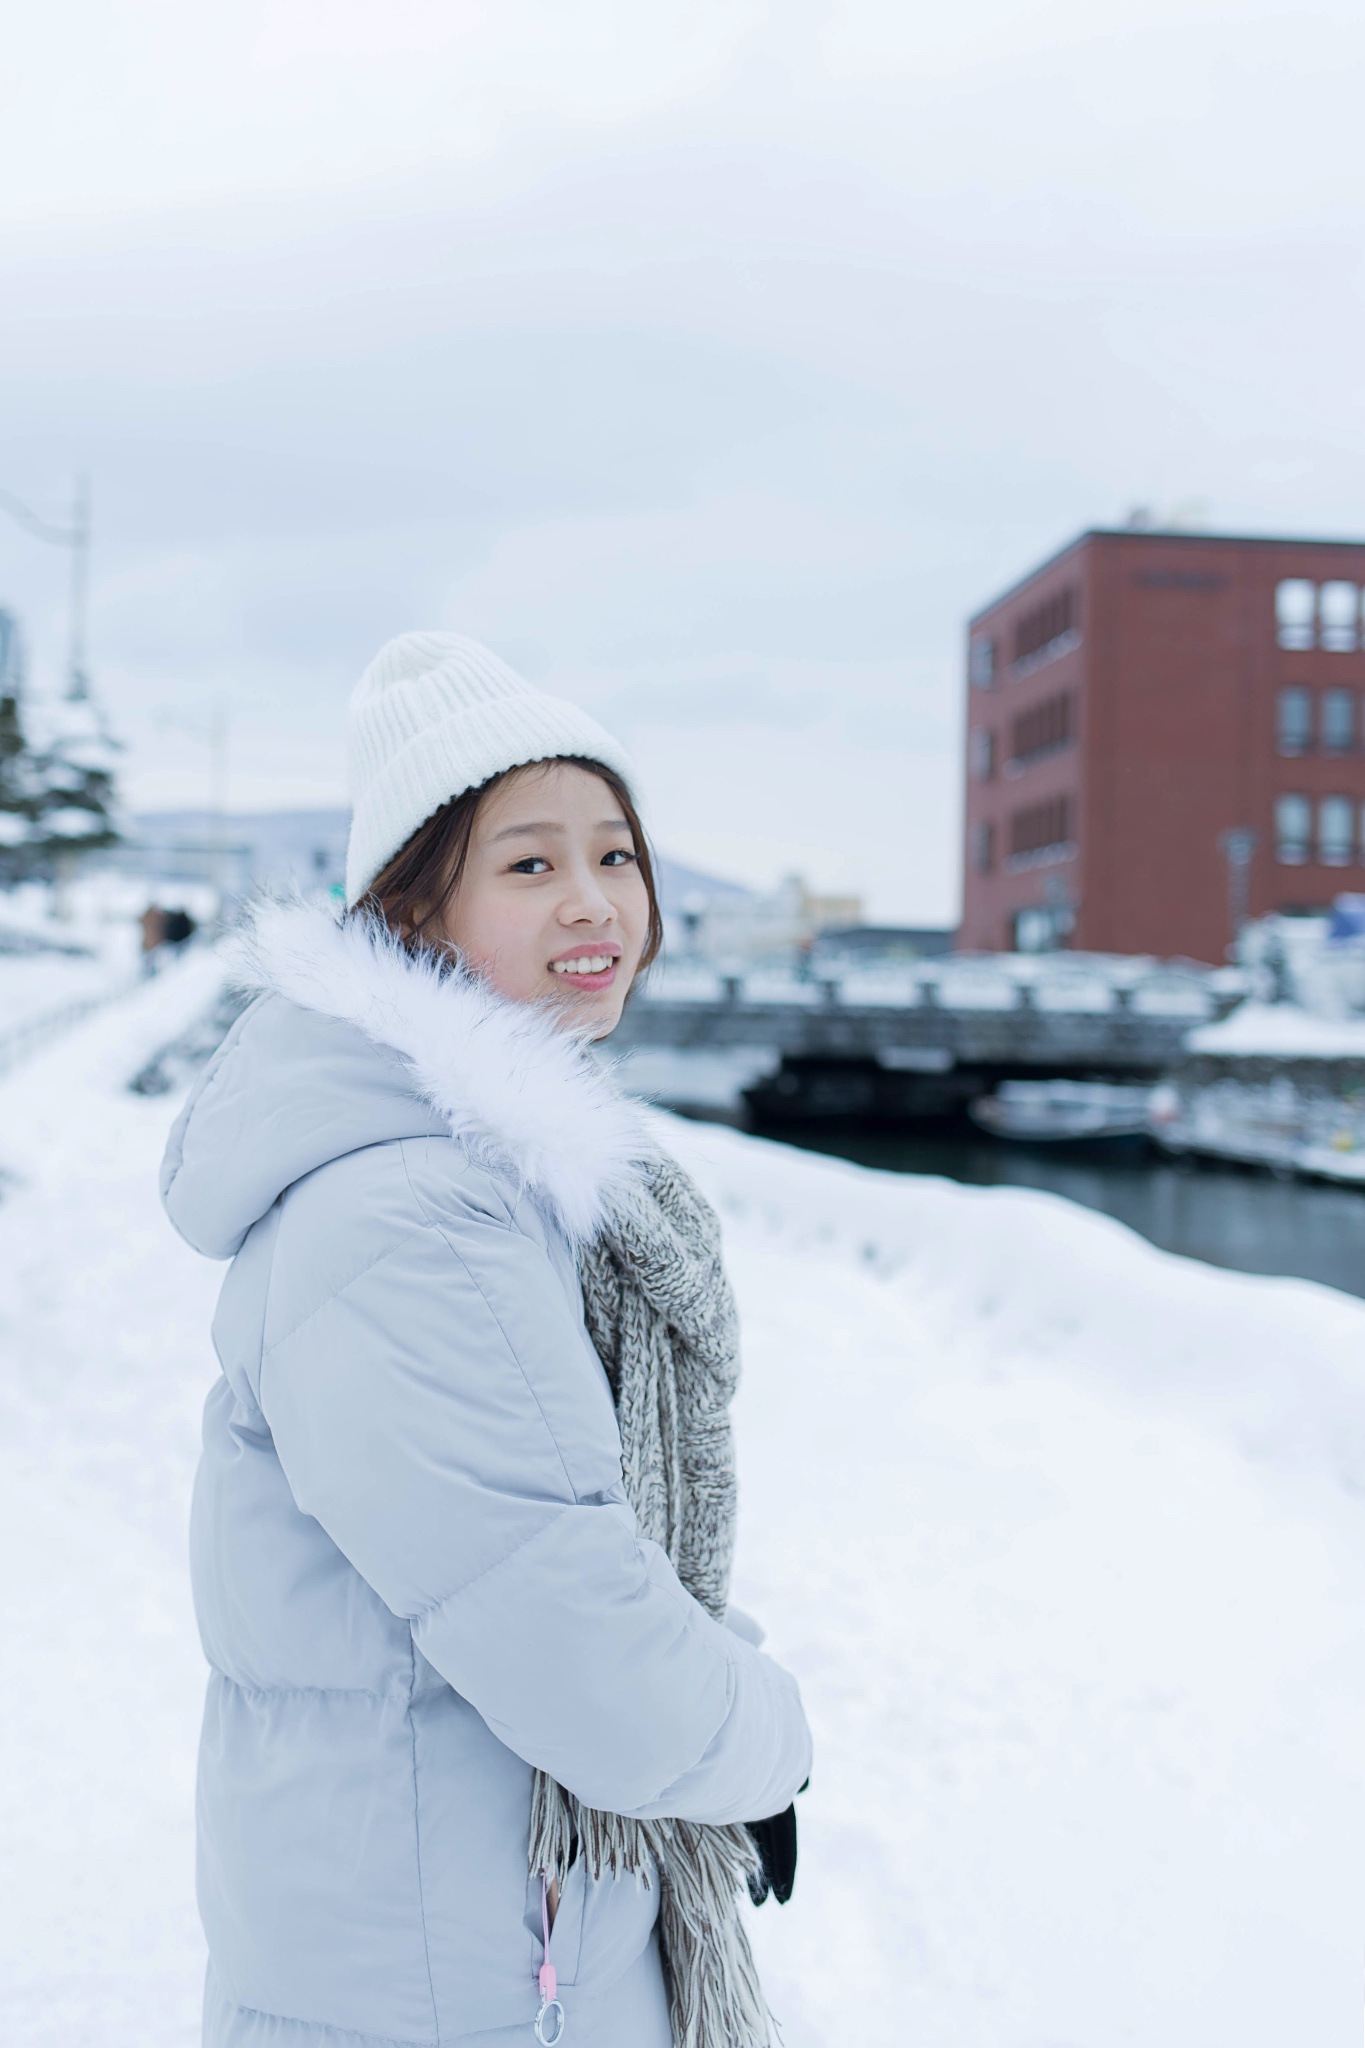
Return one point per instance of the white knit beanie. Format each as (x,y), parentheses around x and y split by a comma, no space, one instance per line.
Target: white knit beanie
(433,715)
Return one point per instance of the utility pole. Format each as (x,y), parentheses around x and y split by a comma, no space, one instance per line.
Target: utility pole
(77,682)
(77,538)
(214,738)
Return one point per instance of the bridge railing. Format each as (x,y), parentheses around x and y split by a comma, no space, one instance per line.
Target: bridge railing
(1067,984)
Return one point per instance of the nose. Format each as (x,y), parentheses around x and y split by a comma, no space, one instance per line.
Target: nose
(587,902)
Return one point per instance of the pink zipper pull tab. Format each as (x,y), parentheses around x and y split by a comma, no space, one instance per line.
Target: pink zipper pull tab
(550,2018)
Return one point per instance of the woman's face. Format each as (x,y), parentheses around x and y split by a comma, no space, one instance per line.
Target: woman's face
(552,901)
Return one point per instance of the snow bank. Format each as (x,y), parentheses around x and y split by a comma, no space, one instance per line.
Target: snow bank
(1063,1536)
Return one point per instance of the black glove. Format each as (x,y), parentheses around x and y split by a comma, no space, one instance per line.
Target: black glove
(775,1841)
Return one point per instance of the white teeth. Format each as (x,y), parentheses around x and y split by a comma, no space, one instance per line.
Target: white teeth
(595,963)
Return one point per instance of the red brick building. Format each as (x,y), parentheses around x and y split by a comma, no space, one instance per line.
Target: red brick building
(1137,699)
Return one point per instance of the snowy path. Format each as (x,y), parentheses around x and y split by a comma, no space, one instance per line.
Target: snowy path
(1065,1538)
(104,1361)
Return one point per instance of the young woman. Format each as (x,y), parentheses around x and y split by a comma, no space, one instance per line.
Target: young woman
(479,1746)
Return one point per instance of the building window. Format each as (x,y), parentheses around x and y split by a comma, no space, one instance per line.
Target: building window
(1336,831)
(1328,616)
(1293,829)
(1040,632)
(1044,729)
(1338,721)
(1041,828)
(1294,720)
(1339,616)
(981,662)
(983,848)
(1035,931)
(1295,604)
(983,754)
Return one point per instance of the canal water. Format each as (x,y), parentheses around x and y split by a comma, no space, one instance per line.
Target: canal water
(1227,1216)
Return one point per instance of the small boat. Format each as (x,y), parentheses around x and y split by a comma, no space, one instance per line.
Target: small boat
(1062,1112)
(1291,1124)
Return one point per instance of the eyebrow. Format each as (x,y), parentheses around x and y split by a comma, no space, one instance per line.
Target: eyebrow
(548,825)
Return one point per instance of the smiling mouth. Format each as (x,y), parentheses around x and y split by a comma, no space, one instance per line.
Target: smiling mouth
(586,970)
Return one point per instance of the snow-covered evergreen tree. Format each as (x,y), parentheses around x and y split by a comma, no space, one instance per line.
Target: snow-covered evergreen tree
(74,772)
(57,761)
(18,781)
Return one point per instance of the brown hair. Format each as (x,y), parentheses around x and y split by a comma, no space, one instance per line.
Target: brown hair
(413,889)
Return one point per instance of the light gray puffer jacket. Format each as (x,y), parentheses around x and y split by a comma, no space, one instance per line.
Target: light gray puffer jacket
(415,1570)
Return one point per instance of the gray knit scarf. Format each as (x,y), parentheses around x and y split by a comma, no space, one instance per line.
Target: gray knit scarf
(660,1312)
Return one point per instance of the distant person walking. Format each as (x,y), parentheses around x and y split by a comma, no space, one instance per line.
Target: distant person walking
(152,925)
(163,930)
(179,928)
(487,1758)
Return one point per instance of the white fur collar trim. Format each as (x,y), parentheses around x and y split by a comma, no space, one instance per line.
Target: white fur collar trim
(518,1090)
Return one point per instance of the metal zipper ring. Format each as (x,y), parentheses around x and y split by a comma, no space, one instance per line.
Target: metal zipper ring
(551,2005)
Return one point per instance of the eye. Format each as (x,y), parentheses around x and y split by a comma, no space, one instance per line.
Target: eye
(619,857)
(534,864)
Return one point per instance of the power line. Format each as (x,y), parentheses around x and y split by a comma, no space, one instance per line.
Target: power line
(40,528)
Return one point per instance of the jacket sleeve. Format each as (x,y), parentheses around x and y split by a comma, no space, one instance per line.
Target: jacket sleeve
(443,1418)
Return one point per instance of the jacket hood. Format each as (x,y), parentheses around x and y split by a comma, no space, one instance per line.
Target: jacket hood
(353,1041)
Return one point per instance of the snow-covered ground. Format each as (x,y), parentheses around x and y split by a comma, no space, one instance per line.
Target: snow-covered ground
(1064,1537)
(48,964)
(93,950)
(104,1362)
(38,985)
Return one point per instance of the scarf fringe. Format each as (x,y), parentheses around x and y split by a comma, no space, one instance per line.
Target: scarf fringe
(662,1319)
(714,1995)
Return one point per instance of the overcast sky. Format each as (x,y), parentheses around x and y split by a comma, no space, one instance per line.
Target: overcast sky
(711,361)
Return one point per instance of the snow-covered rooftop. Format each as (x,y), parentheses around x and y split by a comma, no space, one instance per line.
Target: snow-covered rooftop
(1281,1030)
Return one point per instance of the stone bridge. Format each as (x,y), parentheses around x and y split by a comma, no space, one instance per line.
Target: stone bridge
(924,1044)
